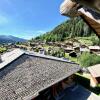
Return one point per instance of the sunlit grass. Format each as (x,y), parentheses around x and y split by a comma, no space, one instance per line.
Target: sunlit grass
(71,58)
(2,49)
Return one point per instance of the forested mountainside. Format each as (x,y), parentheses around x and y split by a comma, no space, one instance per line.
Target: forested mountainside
(74,27)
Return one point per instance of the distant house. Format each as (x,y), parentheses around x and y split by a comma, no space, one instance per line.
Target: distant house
(57,44)
(39,47)
(95,74)
(10,45)
(63,45)
(33,44)
(84,48)
(29,76)
(42,51)
(33,48)
(68,49)
(94,48)
(69,44)
(76,49)
(50,43)
(42,43)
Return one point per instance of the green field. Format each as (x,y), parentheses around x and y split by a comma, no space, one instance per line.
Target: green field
(91,40)
(71,58)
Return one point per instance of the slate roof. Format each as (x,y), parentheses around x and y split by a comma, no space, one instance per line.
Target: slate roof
(25,77)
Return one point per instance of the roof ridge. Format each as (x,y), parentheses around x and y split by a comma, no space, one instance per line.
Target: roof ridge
(49,57)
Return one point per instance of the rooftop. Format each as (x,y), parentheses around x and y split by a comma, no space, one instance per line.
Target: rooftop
(28,74)
(94,47)
(95,70)
(10,56)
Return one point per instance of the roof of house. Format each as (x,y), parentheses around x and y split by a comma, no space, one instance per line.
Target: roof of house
(10,56)
(95,70)
(94,47)
(69,48)
(84,49)
(30,73)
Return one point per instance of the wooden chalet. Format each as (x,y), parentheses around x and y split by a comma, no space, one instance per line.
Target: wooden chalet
(94,48)
(95,75)
(31,76)
(68,49)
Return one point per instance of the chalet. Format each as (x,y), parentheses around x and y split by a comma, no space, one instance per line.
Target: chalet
(34,48)
(42,51)
(76,49)
(76,44)
(28,76)
(84,48)
(58,44)
(39,47)
(42,43)
(68,49)
(9,45)
(33,44)
(95,75)
(63,45)
(69,44)
(24,47)
(50,43)
(94,48)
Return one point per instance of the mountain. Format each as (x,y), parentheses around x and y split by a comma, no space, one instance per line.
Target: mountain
(10,39)
(74,27)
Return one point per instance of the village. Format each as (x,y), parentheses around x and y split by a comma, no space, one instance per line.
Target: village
(57,65)
(68,53)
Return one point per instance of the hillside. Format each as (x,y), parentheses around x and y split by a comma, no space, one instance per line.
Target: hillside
(75,27)
(10,39)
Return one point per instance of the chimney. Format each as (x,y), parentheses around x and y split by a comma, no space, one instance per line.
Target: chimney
(0,59)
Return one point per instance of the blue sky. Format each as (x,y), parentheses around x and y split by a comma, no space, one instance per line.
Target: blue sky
(29,18)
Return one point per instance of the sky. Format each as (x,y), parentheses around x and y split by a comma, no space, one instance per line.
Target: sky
(29,18)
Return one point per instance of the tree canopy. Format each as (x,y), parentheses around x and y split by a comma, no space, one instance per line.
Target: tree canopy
(74,27)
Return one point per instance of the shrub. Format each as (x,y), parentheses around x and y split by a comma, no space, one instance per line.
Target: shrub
(58,53)
(87,59)
(95,40)
(2,49)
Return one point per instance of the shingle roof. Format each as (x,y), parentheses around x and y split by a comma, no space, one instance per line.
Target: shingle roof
(26,76)
(10,56)
(95,70)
